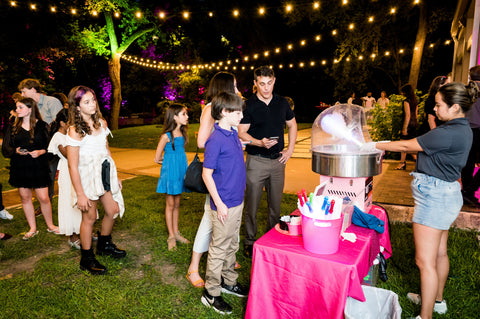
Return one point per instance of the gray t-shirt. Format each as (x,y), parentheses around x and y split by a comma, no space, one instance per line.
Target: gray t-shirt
(445,150)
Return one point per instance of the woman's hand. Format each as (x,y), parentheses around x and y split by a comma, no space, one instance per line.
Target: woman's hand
(405,132)
(83,203)
(21,151)
(36,153)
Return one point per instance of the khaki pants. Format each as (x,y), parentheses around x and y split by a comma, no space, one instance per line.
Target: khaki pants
(268,173)
(222,250)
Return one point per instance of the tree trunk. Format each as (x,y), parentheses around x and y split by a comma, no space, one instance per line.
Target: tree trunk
(419,44)
(114,72)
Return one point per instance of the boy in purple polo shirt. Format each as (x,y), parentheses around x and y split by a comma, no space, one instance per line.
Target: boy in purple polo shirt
(225,177)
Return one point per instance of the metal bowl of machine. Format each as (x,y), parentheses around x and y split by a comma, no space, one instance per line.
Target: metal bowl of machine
(343,160)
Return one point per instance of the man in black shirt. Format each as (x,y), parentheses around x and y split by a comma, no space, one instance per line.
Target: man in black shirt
(262,125)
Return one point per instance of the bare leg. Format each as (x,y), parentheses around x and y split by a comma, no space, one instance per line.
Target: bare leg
(26,196)
(46,206)
(86,227)
(176,212)
(111,210)
(427,243)
(443,265)
(169,212)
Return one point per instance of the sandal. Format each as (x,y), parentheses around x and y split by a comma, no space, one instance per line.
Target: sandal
(172,244)
(401,166)
(237,265)
(56,230)
(197,283)
(181,239)
(29,235)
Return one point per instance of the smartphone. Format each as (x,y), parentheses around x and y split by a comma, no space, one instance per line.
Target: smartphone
(273,138)
(23,150)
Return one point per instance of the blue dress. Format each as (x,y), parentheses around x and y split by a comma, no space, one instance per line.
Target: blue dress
(174,166)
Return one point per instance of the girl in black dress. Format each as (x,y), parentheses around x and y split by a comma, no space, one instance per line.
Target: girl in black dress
(409,127)
(29,164)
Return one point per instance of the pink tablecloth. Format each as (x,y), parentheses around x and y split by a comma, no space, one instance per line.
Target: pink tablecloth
(290,282)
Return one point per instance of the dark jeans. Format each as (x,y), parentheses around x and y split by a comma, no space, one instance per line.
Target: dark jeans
(472,183)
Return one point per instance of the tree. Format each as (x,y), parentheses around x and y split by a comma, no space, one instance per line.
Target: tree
(113,39)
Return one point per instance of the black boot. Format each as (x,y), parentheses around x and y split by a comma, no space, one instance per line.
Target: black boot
(106,247)
(90,263)
(382,269)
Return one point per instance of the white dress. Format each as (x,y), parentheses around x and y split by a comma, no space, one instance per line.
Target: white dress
(93,153)
(69,217)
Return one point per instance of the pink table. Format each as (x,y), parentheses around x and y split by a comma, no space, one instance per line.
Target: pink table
(290,282)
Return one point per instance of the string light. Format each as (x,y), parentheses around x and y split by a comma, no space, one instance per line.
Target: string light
(316,5)
(186,15)
(74,11)
(393,10)
(288,8)
(117,14)
(235,13)
(161,15)
(13,3)
(370,19)
(138,14)
(351,26)
(210,14)
(33,7)
(334,32)
(318,38)
(345,2)
(416,1)
(53,9)
(261,11)
(94,13)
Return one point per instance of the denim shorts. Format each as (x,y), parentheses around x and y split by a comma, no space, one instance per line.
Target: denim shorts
(437,202)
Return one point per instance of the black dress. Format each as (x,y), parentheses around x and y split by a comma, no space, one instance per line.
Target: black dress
(26,171)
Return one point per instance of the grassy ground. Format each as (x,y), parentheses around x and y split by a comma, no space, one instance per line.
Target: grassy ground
(40,278)
(147,136)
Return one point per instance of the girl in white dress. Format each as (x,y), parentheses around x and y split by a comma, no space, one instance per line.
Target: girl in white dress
(69,217)
(94,176)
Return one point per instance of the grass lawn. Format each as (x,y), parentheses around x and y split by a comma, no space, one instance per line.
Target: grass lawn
(40,278)
(147,136)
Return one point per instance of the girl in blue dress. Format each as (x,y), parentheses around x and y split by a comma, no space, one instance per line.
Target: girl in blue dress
(174,165)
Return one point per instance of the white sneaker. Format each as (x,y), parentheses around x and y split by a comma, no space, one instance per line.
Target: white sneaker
(439,307)
(5,215)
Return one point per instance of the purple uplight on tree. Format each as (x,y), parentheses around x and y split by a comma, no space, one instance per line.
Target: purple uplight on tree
(169,92)
(106,91)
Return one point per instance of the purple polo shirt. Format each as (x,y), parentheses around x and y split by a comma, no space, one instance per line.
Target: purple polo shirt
(224,154)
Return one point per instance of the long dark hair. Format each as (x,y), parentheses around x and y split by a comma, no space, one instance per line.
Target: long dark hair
(74,118)
(34,116)
(221,82)
(436,84)
(62,116)
(169,123)
(458,93)
(409,93)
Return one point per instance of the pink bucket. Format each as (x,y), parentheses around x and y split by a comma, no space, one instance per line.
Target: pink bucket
(321,236)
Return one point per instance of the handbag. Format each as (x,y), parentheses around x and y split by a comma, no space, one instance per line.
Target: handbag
(193,177)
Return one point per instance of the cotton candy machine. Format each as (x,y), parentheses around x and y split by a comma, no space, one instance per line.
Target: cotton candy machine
(345,170)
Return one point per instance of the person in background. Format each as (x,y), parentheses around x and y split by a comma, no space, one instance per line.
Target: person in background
(383,100)
(263,123)
(443,153)
(171,154)
(69,217)
(29,163)
(351,98)
(432,119)
(62,98)
(13,115)
(409,126)
(220,82)
(290,102)
(48,106)
(94,177)
(470,182)
(225,178)
(4,214)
